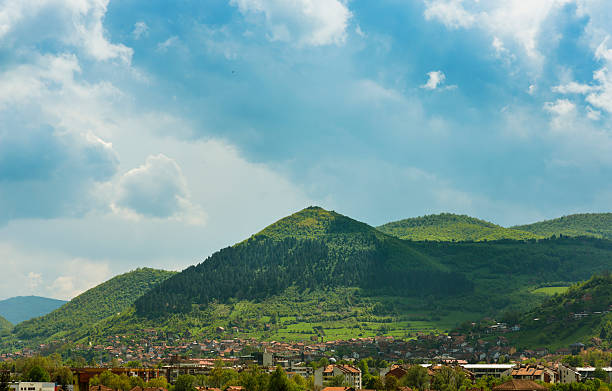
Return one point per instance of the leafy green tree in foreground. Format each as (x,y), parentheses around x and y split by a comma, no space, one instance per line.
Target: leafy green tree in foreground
(185,383)
(5,381)
(416,378)
(38,374)
(279,381)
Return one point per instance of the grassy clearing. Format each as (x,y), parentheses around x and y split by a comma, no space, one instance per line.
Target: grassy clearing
(551,290)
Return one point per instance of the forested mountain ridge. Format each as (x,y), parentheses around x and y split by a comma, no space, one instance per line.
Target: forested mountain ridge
(319,273)
(307,252)
(582,314)
(311,249)
(20,308)
(108,298)
(448,227)
(598,225)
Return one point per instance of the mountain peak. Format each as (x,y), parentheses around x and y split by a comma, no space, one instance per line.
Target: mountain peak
(313,222)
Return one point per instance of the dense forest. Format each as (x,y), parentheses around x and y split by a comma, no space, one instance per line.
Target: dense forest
(448,227)
(316,249)
(598,225)
(328,253)
(106,299)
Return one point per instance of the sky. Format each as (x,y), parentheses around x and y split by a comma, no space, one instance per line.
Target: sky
(152,133)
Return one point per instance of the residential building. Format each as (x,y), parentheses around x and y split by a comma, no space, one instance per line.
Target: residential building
(352,375)
(32,386)
(495,370)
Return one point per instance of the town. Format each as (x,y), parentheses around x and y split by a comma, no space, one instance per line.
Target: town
(482,359)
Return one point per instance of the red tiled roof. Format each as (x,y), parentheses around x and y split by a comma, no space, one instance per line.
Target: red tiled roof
(519,385)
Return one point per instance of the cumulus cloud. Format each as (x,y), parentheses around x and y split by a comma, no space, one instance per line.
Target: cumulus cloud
(560,107)
(304,22)
(518,20)
(158,189)
(49,161)
(435,81)
(599,92)
(75,24)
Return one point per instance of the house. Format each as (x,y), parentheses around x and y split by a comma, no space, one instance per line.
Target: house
(534,372)
(397,371)
(567,375)
(352,375)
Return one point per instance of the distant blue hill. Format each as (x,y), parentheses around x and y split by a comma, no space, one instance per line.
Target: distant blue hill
(20,308)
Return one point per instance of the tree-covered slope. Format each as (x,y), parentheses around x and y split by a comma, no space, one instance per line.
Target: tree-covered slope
(20,308)
(578,315)
(106,299)
(451,227)
(312,249)
(5,325)
(586,224)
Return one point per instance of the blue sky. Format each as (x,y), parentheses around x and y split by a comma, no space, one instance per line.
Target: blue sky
(152,133)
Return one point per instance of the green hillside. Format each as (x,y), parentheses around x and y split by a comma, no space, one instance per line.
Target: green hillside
(320,273)
(106,299)
(598,225)
(312,249)
(577,315)
(5,326)
(451,227)
(20,308)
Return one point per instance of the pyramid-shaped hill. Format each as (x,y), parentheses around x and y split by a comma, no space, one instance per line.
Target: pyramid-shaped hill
(448,227)
(313,249)
(314,223)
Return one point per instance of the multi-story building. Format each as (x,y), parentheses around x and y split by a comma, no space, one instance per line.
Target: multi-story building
(351,374)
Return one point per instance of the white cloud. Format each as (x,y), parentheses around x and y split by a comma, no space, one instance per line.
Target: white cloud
(574,88)
(516,20)
(47,273)
(435,81)
(599,93)
(158,189)
(34,280)
(563,112)
(75,23)
(532,89)
(560,107)
(305,22)
(168,43)
(140,30)
(50,159)
(594,115)
(449,12)
(79,275)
